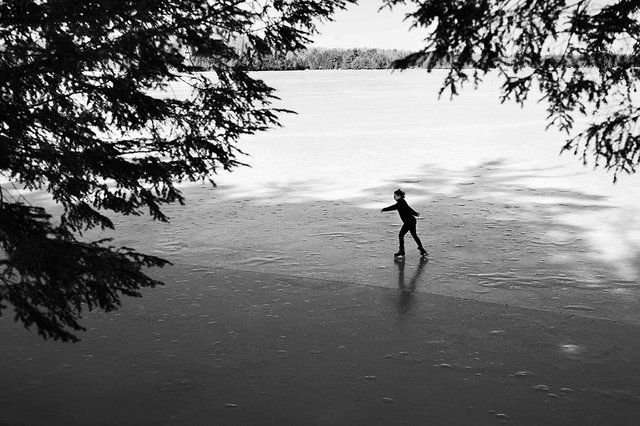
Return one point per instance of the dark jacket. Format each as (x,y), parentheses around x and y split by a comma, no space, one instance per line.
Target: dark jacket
(406,213)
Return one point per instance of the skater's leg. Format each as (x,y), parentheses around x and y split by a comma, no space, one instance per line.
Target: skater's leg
(414,234)
(403,231)
(401,235)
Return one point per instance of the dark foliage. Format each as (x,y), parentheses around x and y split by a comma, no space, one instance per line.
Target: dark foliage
(82,117)
(581,55)
(48,276)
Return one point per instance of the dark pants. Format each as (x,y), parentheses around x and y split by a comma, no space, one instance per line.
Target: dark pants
(408,227)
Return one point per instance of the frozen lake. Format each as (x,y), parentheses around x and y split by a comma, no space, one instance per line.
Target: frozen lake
(505,216)
(355,129)
(285,293)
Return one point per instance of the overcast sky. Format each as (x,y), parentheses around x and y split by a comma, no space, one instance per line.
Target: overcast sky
(362,25)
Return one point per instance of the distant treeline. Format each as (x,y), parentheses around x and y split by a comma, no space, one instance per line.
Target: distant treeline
(372,59)
(320,59)
(604,60)
(328,59)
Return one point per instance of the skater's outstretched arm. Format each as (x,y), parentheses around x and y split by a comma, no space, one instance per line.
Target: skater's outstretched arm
(390,208)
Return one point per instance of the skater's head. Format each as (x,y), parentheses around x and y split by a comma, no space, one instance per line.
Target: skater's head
(398,194)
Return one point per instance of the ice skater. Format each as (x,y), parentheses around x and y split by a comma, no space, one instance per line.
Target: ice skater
(408,222)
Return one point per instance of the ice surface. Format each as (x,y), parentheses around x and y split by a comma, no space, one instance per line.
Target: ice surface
(505,218)
(273,298)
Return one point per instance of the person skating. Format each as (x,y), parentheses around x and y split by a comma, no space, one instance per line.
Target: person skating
(408,216)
